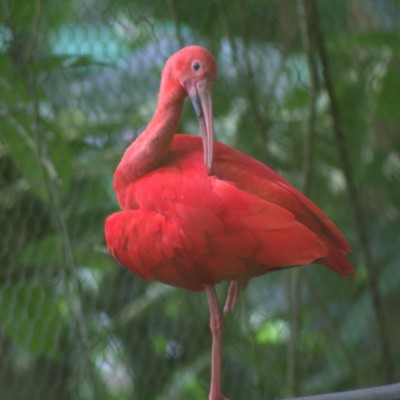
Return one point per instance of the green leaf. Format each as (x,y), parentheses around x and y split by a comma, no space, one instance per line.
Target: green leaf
(67,61)
(44,252)
(388,99)
(274,331)
(22,149)
(32,318)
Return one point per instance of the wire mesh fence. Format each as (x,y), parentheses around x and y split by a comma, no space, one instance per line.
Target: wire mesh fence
(79,82)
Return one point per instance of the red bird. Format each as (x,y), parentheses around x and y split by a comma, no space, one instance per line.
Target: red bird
(196,212)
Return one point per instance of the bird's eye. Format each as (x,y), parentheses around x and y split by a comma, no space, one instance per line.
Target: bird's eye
(196,66)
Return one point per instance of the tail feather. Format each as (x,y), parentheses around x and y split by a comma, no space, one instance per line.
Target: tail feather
(336,260)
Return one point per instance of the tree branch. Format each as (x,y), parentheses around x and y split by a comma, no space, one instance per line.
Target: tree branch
(316,35)
(388,392)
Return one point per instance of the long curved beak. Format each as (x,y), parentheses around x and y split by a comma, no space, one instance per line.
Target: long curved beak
(200,94)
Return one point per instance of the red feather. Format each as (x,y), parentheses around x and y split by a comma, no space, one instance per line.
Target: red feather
(186,228)
(196,212)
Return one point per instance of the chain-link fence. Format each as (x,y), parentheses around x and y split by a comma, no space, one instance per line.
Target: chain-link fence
(309,87)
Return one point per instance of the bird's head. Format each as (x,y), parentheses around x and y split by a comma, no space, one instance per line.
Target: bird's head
(191,72)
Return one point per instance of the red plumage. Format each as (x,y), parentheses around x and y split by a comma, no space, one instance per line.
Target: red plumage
(186,228)
(196,212)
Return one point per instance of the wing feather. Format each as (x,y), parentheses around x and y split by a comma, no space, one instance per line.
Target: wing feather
(256,178)
(195,234)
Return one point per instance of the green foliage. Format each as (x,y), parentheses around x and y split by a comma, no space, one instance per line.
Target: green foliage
(78,82)
(33,320)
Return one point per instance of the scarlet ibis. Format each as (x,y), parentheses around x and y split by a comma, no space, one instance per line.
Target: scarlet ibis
(196,212)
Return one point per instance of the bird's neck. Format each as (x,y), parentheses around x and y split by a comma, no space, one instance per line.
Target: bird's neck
(151,148)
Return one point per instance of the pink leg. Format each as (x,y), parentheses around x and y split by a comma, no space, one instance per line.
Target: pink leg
(233,294)
(216,325)
(232,298)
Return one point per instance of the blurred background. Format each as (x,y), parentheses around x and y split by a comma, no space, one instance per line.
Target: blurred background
(312,88)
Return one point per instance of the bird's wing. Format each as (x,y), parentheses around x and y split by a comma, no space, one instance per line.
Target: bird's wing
(256,178)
